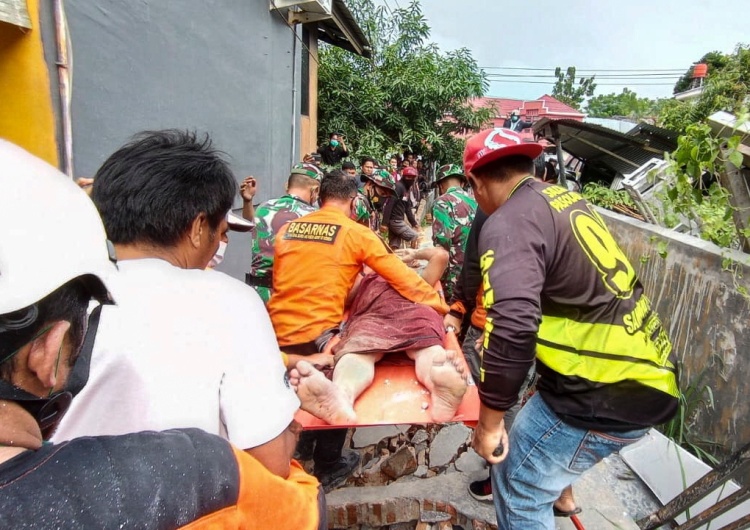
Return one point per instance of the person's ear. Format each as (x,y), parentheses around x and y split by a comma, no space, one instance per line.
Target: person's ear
(198,228)
(44,355)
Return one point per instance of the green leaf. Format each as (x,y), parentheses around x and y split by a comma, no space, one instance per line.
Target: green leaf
(735,158)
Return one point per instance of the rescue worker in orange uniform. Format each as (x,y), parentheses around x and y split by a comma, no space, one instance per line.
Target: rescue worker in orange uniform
(317,260)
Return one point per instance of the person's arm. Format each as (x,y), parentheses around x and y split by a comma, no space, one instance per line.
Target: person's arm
(265,500)
(409,284)
(248,189)
(410,214)
(276,454)
(512,259)
(513,252)
(318,360)
(436,257)
(490,440)
(257,406)
(344,149)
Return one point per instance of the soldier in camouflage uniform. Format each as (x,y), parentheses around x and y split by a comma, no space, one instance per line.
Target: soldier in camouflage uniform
(302,192)
(371,197)
(452,216)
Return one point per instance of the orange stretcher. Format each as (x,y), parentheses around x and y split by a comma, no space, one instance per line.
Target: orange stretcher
(396,397)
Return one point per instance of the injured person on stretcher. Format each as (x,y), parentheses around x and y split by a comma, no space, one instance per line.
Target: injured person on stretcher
(382,321)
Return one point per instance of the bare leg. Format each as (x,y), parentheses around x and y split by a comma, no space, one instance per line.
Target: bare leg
(444,377)
(354,373)
(319,396)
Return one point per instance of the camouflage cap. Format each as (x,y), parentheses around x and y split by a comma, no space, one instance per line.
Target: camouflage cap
(382,178)
(308,170)
(449,170)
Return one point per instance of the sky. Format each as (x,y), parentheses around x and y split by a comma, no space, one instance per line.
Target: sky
(664,36)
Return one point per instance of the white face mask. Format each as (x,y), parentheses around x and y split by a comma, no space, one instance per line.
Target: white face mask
(219,256)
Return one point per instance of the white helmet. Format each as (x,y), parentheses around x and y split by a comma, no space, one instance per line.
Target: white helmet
(50,232)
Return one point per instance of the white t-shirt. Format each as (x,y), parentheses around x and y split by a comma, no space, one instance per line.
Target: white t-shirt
(183,348)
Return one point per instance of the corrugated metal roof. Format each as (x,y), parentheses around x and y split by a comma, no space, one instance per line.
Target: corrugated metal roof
(332,32)
(605,151)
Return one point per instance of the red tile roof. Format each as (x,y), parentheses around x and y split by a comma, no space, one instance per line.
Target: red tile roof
(546,105)
(555,106)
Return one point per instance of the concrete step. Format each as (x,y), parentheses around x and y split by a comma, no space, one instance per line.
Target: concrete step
(403,501)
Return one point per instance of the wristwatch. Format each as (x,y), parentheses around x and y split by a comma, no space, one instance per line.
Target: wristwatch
(450,328)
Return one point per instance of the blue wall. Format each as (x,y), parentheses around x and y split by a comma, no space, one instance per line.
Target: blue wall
(221,67)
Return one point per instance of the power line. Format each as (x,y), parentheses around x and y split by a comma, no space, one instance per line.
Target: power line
(597,84)
(664,70)
(603,76)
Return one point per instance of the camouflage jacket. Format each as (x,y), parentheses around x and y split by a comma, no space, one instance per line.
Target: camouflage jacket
(452,216)
(269,218)
(365,213)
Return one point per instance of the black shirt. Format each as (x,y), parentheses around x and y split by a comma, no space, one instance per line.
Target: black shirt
(558,287)
(331,156)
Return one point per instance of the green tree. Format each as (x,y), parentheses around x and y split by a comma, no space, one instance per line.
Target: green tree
(409,96)
(715,60)
(568,91)
(626,104)
(726,88)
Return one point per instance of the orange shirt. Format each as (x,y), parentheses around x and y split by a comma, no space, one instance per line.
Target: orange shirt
(317,258)
(257,506)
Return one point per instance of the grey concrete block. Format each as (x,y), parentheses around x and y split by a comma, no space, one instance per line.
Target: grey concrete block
(444,447)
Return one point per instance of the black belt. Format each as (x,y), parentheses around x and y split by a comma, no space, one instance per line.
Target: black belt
(259,281)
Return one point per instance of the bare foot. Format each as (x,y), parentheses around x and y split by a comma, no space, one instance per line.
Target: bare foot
(319,396)
(566,503)
(449,386)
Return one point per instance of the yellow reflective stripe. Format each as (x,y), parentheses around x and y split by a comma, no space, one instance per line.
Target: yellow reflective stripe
(604,353)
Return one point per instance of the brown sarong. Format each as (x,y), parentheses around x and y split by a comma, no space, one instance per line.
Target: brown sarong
(381,320)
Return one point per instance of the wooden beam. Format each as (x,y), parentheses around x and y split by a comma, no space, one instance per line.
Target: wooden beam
(561,178)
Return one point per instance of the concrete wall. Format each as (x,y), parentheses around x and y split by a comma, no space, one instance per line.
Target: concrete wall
(707,317)
(225,68)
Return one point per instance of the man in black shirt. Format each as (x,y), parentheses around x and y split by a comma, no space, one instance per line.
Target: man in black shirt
(398,207)
(608,372)
(332,152)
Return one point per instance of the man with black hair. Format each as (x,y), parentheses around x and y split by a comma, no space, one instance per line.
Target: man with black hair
(164,198)
(607,368)
(49,272)
(306,312)
(302,190)
(349,168)
(334,150)
(368,166)
(399,210)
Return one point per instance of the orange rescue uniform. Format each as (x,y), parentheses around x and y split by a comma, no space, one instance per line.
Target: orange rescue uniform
(317,259)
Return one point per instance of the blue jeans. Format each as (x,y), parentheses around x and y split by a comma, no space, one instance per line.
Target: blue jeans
(545,456)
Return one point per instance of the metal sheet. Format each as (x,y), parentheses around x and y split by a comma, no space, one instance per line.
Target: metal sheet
(667,470)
